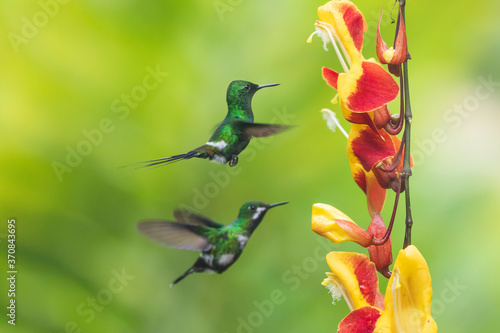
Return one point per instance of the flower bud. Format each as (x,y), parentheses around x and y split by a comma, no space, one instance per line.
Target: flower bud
(380,255)
(331,223)
(394,55)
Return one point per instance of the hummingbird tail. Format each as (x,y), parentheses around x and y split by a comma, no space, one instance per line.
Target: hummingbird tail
(189,271)
(163,161)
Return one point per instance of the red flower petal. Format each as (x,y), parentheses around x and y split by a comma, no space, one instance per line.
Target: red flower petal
(370,147)
(360,321)
(359,177)
(381,116)
(368,282)
(355,22)
(375,194)
(362,118)
(373,88)
(330,76)
(357,274)
(381,45)
(390,179)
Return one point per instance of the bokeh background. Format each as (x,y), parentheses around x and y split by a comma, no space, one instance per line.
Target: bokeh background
(74,77)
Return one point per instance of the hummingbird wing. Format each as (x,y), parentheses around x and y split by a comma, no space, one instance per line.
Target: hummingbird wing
(192,218)
(259,130)
(176,235)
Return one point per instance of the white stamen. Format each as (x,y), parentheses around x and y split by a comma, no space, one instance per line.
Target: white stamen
(346,55)
(321,28)
(326,39)
(332,122)
(321,34)
(337,289)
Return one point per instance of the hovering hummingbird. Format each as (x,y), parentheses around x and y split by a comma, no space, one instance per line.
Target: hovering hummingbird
(234,132)
(221,245)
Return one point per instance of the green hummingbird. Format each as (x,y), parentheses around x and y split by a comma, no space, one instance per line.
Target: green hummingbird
(221,245)
(233,134)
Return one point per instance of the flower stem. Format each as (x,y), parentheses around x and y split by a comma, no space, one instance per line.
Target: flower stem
(407,158)
(406,173)
(385,238)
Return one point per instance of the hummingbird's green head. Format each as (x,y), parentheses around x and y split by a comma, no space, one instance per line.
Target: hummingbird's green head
(253,211)
(242,91)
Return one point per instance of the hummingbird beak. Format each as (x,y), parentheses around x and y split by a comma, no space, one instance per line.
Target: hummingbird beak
(277,204)
(267,85)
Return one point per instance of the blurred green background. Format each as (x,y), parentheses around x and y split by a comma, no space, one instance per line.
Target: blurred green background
(66,70)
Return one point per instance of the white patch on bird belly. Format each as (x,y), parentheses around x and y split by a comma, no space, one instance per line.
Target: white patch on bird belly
(219,144)
(243,240)
(226,259)
(207,258)
(258,212)
(219,159)
(209,271)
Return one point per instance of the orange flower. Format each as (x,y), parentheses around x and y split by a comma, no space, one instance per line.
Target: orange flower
(331,223)
(407,301)
(365,87)
(366,149)
(376,119)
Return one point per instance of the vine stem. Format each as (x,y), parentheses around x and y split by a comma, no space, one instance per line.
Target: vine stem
(385,238)
(406,173)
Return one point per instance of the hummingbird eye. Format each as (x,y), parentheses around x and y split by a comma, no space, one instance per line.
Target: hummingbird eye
(246,87)
(252,207)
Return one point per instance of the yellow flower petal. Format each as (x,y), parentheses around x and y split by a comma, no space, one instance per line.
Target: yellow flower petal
(354,277)
(348,22)
(331,223)
(408,296)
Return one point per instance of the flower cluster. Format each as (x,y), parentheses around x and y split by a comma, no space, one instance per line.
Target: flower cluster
(364,89)
(407,301)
